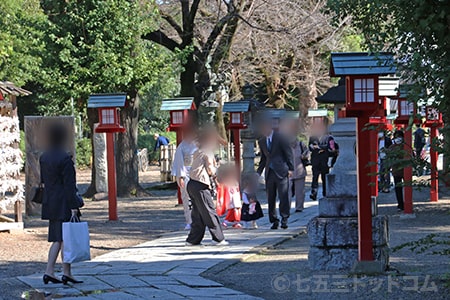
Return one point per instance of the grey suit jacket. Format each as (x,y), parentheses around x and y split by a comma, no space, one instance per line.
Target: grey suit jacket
(279,157)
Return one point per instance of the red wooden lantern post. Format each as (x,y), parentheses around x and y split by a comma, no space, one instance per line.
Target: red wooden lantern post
(434,122)
(406,110)
(379,123)
(236,111)
(179,117)
(107,105)
(362,71)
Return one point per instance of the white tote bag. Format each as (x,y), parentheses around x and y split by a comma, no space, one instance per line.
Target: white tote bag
(76,245)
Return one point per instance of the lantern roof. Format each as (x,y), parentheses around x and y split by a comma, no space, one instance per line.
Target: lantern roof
(236,106)
(361,63)
(317,113)
(107,100)
(178,103)
(8,88)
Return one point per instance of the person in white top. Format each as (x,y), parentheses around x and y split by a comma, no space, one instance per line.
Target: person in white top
(201,183)
(181,167)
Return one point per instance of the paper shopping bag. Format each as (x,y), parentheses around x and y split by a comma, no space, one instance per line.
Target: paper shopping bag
(76,246)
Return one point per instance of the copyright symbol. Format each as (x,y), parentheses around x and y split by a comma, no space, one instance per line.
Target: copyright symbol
(281,283)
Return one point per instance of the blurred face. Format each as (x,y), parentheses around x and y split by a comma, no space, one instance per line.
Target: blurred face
(190,135)
(266,128)
(319,129)
(209,141)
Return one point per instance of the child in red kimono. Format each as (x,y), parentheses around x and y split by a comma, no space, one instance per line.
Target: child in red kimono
(229,197)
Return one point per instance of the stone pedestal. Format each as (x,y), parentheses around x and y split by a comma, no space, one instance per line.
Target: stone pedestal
(333,235)
(334,242)
(100,162)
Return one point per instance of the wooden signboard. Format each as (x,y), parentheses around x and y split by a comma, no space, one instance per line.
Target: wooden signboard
(36,136)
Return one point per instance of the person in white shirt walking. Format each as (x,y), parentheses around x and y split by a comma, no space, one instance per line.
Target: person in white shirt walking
(181,167)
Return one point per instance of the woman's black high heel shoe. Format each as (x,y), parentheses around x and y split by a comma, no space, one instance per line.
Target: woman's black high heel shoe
(65,279)
(51,279)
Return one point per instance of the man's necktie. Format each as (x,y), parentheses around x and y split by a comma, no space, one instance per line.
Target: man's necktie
(269,144)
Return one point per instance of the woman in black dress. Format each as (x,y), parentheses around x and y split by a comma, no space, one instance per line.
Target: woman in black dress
(60,201)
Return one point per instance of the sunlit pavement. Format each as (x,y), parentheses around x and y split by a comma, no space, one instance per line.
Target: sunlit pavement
(167,269)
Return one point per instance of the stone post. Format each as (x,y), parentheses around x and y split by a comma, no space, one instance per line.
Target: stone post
(101,174)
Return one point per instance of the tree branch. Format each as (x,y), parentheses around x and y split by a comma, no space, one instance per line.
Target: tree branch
(193,12)
(214,34)
(185,14)
(172,23)
(284,30)
(161,38)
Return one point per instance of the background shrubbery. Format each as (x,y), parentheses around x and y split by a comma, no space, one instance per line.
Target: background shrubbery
(84,153)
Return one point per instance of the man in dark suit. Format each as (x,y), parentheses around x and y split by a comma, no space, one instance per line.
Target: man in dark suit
(277,160)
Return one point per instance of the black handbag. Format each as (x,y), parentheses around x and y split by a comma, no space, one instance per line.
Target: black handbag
(38,194)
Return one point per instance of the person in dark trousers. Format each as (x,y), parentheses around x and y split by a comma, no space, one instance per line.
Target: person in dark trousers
(202,173)
(419,141)
(60,200)
(321,149)
(384,143)
(277,161)
(396,156)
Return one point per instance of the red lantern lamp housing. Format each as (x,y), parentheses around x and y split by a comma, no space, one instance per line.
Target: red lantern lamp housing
(361,71)
(406,109)
(179,111)
(236,109)
(433,117)
(108,110)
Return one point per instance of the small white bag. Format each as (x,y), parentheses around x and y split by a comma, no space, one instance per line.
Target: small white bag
(235,197)
(76,245)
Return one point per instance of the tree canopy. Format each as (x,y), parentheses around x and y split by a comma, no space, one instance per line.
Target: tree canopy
(21,40)
(418,33)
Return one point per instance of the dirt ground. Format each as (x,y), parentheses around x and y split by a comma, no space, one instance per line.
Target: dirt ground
(418,270)
(140,220)
(266,274)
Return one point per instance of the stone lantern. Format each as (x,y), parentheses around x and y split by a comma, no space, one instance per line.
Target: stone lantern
(248,135)
(335,242)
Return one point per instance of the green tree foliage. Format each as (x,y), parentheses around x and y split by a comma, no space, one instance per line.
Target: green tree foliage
(417,31)
(95,46)
(21,40)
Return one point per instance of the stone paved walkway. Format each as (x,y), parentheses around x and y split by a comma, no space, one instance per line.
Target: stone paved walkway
(167,269)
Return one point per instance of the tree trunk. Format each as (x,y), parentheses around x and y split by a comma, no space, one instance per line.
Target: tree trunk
(187,78)
(126,149)
(92,115)
(307,97)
